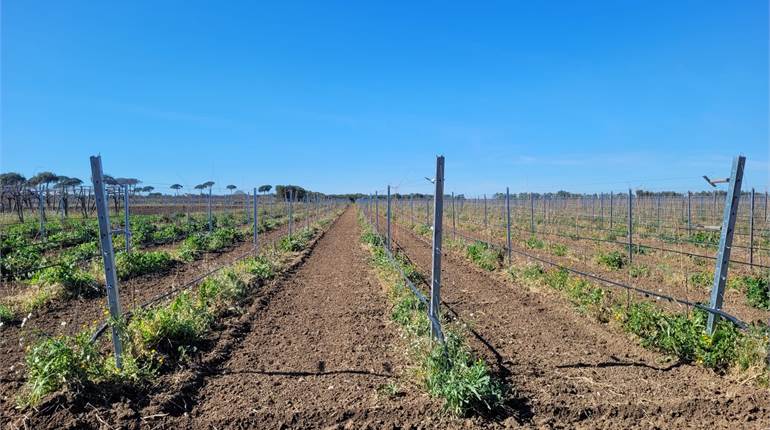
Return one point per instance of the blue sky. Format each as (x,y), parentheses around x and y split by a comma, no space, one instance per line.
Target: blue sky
(345,97)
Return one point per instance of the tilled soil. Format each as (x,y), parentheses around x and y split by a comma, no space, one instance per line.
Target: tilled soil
(319,356)
(72,316)
(570,371)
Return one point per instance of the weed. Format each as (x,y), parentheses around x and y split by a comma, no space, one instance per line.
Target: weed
(6,313)
(613,260)
(131,264)
(639,271)
(55,362)
(484,256)
(534,243)
(558,249)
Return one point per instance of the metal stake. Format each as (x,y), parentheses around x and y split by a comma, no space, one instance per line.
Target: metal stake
(508,219)
(726,238)
(105,238)
(438,215)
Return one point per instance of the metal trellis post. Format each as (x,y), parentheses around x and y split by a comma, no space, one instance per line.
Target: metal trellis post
(105,238)
(726,238)
(211,226)
(508,220)
(41,213)
(126,219)
(256,222)
(388,222)
(438,214)
(630,227)
(751,228)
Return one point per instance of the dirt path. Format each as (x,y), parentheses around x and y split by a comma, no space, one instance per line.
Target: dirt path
(318,355)
(570,371)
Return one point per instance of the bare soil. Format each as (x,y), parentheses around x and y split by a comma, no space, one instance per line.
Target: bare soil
(570,371)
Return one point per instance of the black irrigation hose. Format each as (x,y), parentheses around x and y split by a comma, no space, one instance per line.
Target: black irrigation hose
(740,324)
(103,326)
(640,245)
(435,323)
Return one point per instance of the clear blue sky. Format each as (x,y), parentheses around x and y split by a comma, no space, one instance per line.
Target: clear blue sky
(345,97)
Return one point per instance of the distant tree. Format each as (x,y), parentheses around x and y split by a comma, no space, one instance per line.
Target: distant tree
(148,189)
(265,188)
(231,188)
(176,188)
(200,187)
(42,182)
(13,185)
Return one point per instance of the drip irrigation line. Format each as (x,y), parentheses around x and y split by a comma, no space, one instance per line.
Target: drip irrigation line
(740,324)
(190,284)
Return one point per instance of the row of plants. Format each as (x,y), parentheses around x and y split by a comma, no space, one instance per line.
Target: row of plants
(69,279)
(155,340)
(681,335)
(450,371)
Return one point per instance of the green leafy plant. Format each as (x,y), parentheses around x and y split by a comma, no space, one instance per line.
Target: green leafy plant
(534,243)
(558,249)
(132,264)
(613,260)
(484,256)
(55,362)
(6,313)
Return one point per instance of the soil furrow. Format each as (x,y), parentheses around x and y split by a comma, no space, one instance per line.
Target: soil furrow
(576,372)
(318,355)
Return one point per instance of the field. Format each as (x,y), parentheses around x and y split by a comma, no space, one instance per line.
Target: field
(326,322)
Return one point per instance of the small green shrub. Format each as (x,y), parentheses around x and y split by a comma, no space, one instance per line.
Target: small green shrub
(756,289)
(613,260)
(639,271)
(534,243)
(181,323)
(6,313)
(132,264)
(464,383)
(558,249)
(72,280)
(261,267)
(701,279)
(55,362)
(484,256)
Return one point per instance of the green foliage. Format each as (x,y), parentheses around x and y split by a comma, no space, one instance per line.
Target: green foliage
(371,238)
(682,335)
(20,262)
(756,289)
(6,313)
(484,256)
(701,279)
(613,260)
(558,249)
(534,243)
(422,229)
(450,372)
(296,242)
(639,271)
(181,323)
(222,238)
(705,238)
(261,267)
(69,277)
(136,263)
(464,383)
(192,247)
(55,362)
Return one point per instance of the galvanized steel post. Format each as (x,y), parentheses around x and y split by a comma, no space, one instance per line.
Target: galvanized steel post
(438,215)
(751,228)
(105,239)
(508,220)
(388,222)
(630,227)
(726,238)
(256,222)
(126,220)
